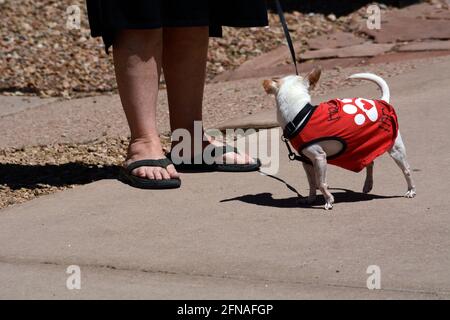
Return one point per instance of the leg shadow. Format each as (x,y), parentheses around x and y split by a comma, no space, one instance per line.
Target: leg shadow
(17,176)
(344,196)
(266,199)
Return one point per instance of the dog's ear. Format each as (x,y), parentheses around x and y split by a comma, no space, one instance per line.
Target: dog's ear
(271,86)
(314,76)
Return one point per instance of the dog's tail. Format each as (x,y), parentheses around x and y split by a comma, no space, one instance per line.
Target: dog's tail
(378,80)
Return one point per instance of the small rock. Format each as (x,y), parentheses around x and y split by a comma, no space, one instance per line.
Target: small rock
(331,17)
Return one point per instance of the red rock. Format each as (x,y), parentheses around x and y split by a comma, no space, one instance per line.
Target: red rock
(281,70)
(402,29)
(424,10)
(417,22)
(335,40)
(279,56)
(426,46)
(395,57)
(361,50)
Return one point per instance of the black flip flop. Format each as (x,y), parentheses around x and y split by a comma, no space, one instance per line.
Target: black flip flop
(141,183)
(219,167)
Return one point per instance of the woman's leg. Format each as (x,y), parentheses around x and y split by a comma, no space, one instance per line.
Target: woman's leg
(137,61)
(184,63)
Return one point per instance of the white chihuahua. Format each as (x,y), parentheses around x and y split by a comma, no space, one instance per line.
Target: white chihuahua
(350,133)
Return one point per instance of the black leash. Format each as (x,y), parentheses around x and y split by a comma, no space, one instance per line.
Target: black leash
(287,34)
(292,126)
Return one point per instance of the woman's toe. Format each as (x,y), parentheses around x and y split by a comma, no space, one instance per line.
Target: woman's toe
(233,158)
(249,160)
(172,172)
(165,174)
(150,174)
(140,173)
(158,174)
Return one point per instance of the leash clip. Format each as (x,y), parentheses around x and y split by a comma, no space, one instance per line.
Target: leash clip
(292,156)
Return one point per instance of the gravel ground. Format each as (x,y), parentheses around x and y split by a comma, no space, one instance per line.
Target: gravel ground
(30,172)
(41,56)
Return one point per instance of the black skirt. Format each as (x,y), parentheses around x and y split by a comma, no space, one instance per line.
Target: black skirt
(106,17)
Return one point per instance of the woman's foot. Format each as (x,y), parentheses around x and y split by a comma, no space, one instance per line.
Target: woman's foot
(231,157)
(149,149)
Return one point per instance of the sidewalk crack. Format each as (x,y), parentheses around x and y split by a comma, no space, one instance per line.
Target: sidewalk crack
(21,261)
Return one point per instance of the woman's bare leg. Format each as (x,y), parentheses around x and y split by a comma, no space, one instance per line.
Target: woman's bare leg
(184,63)
(137,60)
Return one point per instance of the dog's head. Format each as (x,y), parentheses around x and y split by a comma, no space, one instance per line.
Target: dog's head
(292,85)
(291,93)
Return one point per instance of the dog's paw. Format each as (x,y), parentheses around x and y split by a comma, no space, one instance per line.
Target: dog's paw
(411,194)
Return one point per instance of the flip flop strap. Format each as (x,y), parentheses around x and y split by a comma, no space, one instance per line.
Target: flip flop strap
(217,151)
(162,163)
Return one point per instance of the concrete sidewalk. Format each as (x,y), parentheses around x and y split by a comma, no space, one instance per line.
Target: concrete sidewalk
(12,105)
(243,235)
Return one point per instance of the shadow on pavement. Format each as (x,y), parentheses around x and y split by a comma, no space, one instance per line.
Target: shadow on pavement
(17,176)
(344,196)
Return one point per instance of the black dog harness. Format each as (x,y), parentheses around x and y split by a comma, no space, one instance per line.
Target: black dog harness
(294,127)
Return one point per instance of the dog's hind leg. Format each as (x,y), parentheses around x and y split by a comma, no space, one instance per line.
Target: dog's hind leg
(319,159)
(398,153)
(368,184)
(309,169)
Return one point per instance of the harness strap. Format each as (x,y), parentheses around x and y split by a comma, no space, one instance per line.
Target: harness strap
(296,125)
(287,34)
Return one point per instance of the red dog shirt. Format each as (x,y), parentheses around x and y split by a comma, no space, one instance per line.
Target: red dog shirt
(366,128)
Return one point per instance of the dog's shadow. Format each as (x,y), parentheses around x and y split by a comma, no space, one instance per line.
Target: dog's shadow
(341,195)
(17,176)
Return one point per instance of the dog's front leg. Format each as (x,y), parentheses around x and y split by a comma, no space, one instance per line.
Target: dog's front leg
(319,159)
(310,174)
